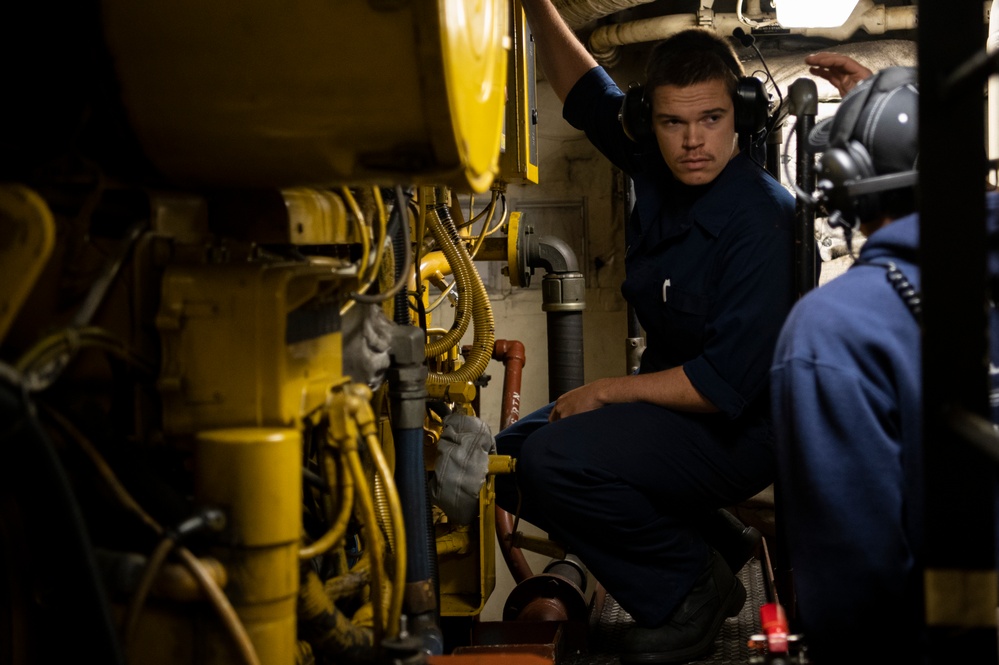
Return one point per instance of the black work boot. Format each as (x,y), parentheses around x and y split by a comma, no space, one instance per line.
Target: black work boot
(691,630)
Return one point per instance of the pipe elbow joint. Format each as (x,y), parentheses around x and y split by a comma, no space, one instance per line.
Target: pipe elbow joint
(563,288)
(551,253)
(509,350)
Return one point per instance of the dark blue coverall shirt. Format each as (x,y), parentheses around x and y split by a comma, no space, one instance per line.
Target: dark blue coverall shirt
(709,273)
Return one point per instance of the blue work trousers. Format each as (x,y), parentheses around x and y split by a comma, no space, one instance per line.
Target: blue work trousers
(622,487)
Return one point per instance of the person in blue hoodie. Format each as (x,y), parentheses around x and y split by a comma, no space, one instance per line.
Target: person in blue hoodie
(846,388)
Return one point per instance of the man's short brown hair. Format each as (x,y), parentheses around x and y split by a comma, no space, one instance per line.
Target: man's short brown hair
(693,56)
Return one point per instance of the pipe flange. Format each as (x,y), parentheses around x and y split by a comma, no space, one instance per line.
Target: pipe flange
(546,597)
(563,292)
(516,251)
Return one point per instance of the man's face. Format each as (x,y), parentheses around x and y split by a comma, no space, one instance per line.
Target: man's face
(695,129)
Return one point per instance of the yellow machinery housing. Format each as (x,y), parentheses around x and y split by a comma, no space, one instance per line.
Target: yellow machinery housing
(314,93)
(203,274)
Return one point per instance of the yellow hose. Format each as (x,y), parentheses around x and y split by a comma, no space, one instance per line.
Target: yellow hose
(339,528)
(362,231)
(338,633)
(372,272)
(373,542)
(348,584)
(398,531)
(359,405)
(462,279)
(481,311)
(225,610)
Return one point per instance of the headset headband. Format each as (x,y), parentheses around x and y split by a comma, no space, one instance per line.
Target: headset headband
(883,81)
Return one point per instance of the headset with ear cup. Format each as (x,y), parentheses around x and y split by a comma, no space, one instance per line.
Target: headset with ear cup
(850,163)
(750,101)
(853,186)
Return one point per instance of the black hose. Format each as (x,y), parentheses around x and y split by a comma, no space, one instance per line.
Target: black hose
(400,240)
(400,282)
(410,480)
(447,221)
(565,352)
(62,570)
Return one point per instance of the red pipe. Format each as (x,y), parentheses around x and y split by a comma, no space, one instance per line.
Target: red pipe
(511,354)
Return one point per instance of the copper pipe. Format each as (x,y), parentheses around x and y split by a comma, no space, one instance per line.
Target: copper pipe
(511,354)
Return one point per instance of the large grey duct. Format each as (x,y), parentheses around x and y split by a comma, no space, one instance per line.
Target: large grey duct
(579,12)
(874,19)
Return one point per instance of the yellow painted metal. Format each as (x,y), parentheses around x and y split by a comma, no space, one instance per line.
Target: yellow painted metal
(316,217)
(314,93)
(502,464)
(960,598)
(519,159)
(474,41)
(513,250)
(254,475)
(462,392)
(27,235)
(453,542)
(468,575)
(165,636)
(227,361)
(431,263)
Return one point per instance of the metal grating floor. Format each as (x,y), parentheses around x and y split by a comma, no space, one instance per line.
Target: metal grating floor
(731,647)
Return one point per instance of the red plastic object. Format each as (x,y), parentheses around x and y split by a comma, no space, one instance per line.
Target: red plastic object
(774,624)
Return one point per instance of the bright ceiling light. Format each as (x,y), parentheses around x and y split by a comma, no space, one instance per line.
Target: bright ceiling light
(814,13)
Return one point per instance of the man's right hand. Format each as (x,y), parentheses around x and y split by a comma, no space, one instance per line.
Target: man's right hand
(841,70)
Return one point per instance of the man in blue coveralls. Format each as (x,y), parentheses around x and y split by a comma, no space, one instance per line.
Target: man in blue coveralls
(847,389)
(621,469)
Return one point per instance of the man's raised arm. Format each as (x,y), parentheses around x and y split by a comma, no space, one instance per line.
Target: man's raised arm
(561,55)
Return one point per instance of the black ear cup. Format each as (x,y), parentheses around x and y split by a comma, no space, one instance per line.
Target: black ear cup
(636,115)
(752,106)
(841,166)
(751,103)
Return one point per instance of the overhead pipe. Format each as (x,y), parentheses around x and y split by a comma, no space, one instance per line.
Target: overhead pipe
(874,19)
(577,13)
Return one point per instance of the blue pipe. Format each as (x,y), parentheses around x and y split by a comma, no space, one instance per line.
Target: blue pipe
(407,377)
(410,480)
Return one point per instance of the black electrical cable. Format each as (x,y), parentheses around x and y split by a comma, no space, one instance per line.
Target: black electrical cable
(39,483)
(374,299)
(749,41)
(401,244)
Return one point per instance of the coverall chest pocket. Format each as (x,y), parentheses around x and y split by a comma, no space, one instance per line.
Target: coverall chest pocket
(685,312)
